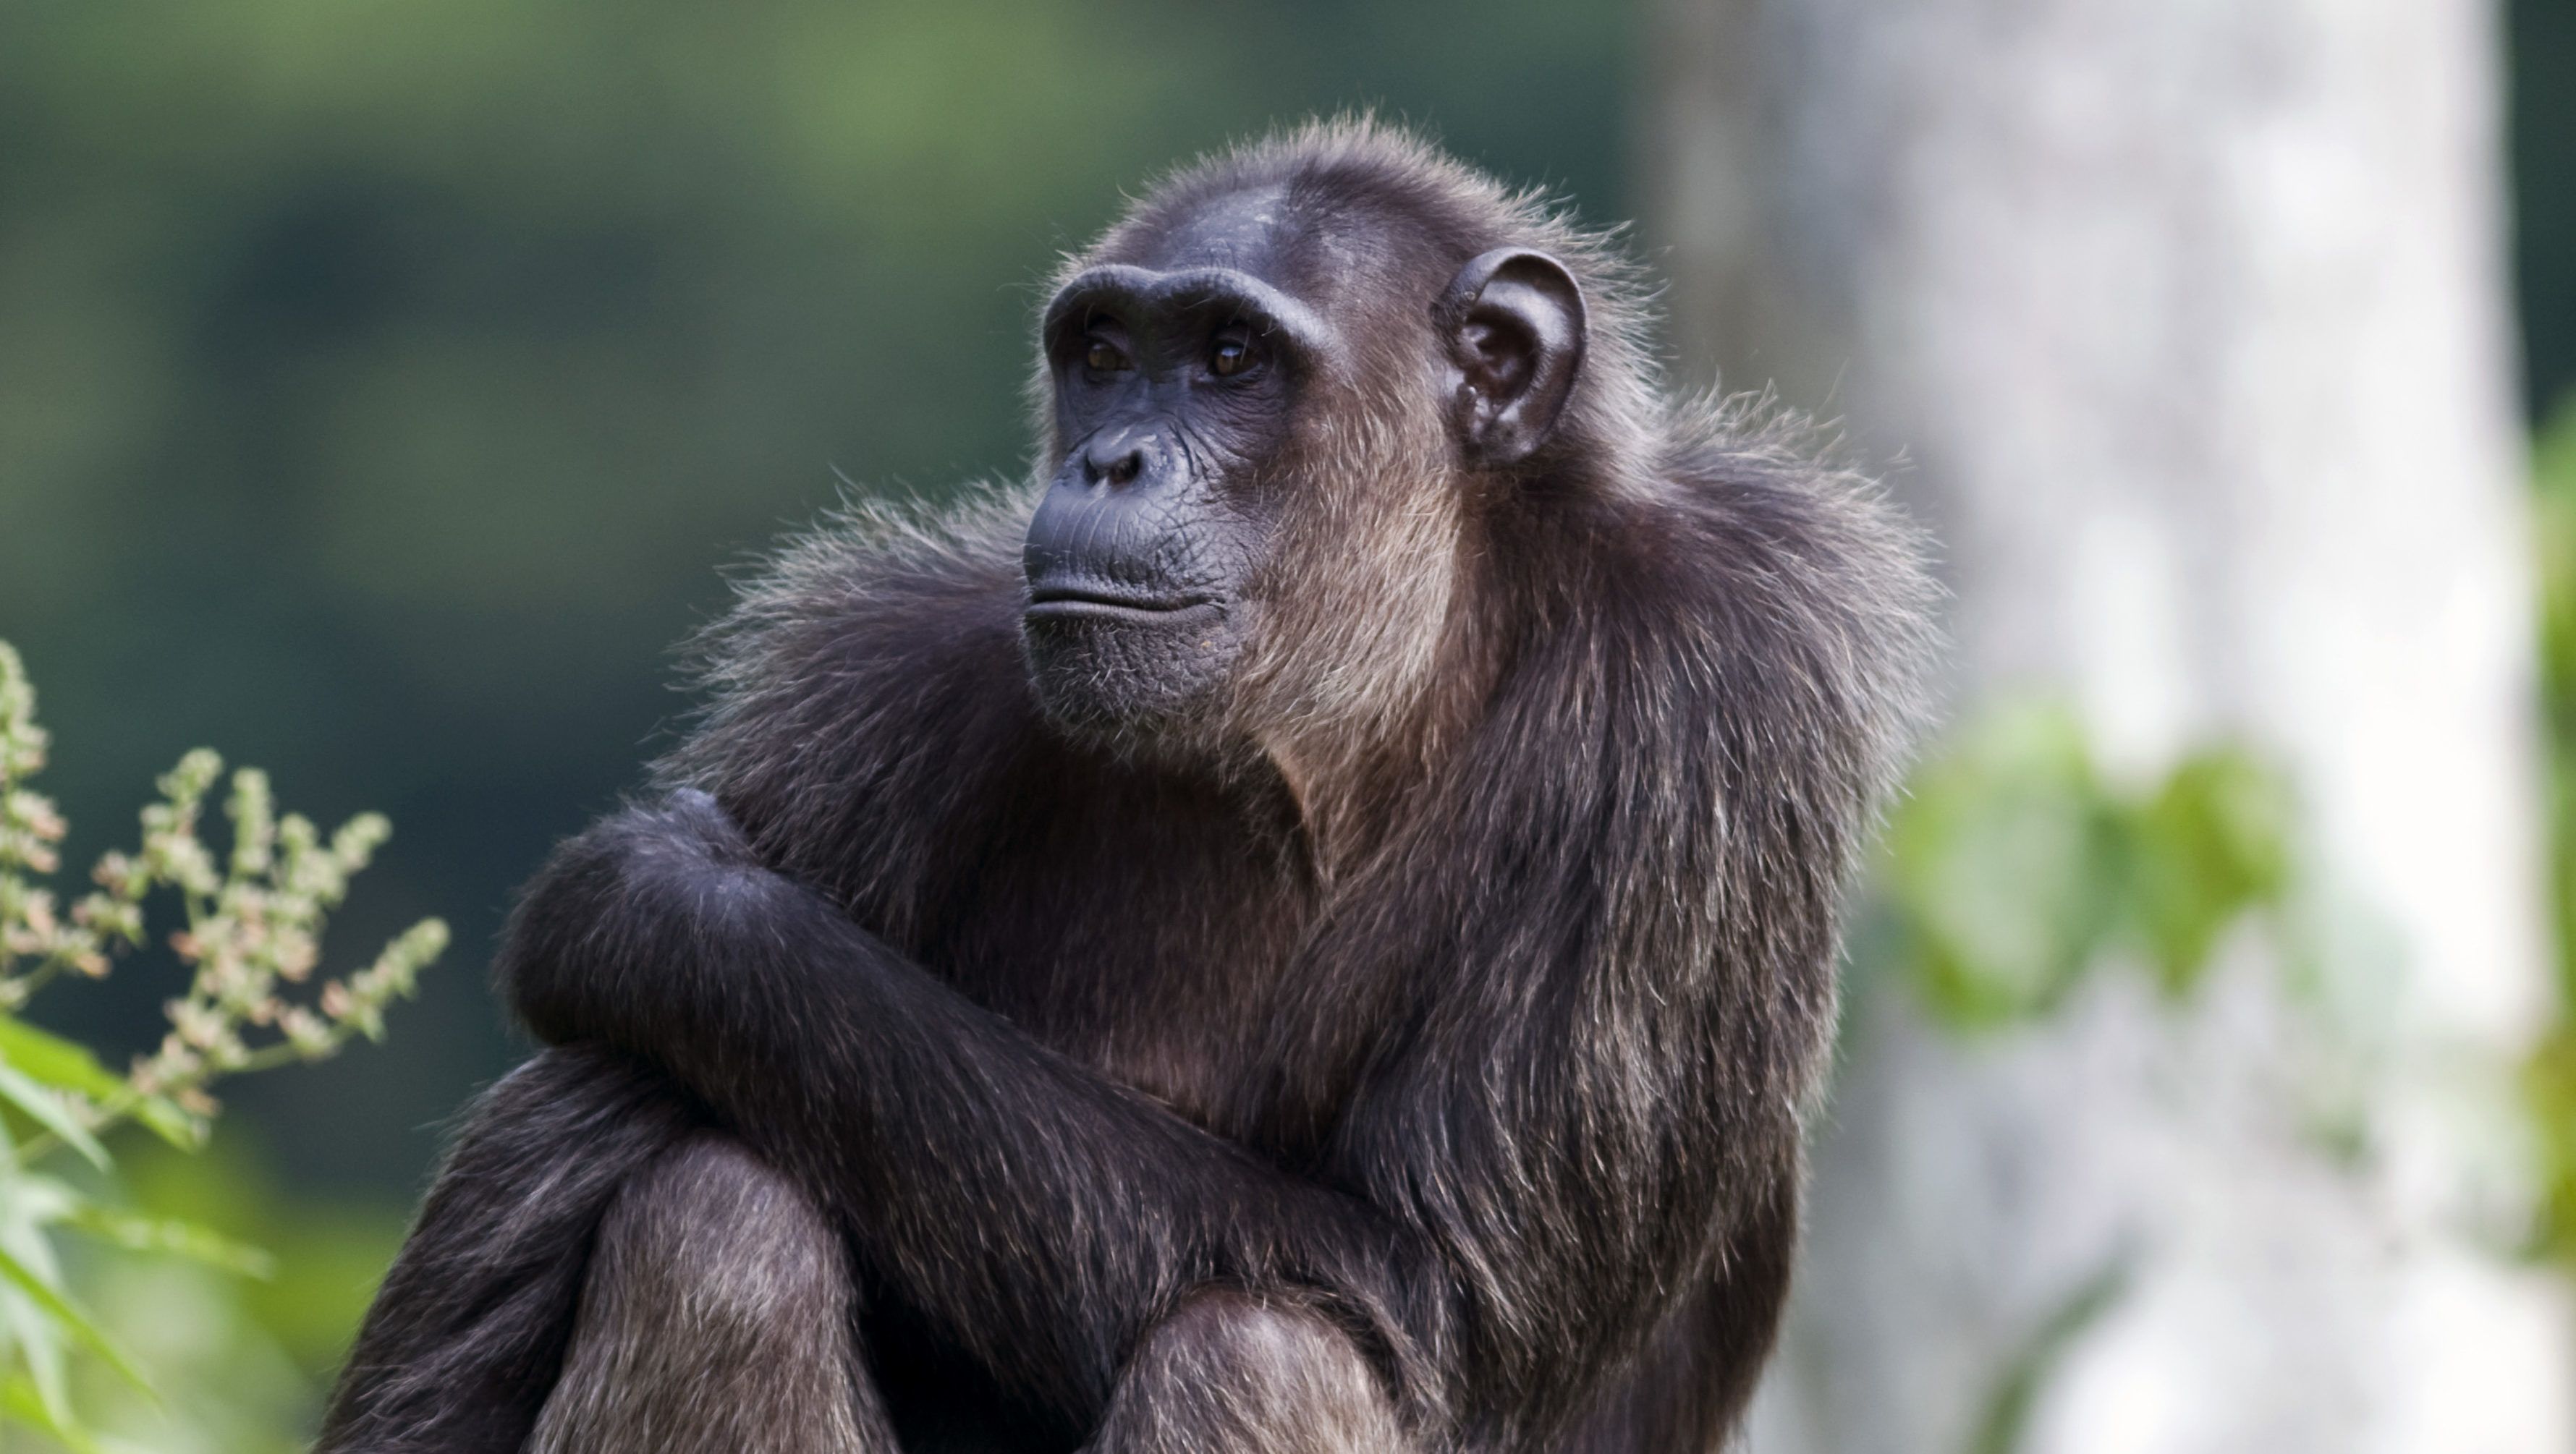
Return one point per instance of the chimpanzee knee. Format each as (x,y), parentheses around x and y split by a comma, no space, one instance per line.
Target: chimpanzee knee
(1234,1372)
(465,1337)
(717,1317)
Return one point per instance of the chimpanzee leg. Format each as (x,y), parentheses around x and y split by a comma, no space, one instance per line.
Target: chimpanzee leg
(717,1318)
(470,1327)
(1232,1372)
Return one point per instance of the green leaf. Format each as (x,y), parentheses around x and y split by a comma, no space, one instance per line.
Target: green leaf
(182,1239)
(2015,867)
(2212,843)
(22,1402)
(2005,860)
(68,1065)
(27,1202)
(40,1347)
(30,1200)
(52,1060)
(173,1125)
(18,1275)
(46,1109)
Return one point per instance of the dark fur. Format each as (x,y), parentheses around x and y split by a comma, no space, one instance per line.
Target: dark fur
(1407,1049)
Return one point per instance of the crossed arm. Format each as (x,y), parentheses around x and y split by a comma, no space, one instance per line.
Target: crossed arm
(1041,1213)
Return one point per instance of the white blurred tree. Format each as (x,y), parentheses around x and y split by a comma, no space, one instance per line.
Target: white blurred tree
(2186,320)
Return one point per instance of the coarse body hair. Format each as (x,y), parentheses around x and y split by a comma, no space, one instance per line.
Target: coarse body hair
(1409,1050)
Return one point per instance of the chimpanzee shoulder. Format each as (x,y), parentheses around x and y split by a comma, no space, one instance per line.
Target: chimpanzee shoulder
(866,693)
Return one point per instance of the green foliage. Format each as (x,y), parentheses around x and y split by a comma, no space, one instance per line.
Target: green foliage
(2549,1080)
(254,918)
(2553,466)
(240,1363)
(2016,867)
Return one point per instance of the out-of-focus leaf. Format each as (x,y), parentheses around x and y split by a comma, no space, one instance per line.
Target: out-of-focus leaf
(46,1109)
(27,1203)
(2549,1088)
(2015,867)
(2553,473)
(182,1239)
(2002,857)
(22,1401)
(49,1059)
(2211,843)
(32,1199)
(39,1341)
(18,1275)
(170,1123)
(2549,1078)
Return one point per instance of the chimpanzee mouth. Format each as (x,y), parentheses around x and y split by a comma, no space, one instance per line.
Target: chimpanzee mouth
(1054,602)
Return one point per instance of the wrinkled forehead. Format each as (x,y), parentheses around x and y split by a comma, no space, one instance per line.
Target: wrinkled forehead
(1248,229)
(1318,255)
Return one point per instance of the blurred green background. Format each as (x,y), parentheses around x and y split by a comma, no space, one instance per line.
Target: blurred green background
(382,385)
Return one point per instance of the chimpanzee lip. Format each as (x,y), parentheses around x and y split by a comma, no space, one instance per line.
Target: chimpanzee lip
(1106,602)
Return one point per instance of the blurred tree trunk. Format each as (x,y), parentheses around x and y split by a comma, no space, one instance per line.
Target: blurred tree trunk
(2186,323)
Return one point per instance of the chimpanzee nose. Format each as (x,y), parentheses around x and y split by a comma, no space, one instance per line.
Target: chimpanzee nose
(1115,457)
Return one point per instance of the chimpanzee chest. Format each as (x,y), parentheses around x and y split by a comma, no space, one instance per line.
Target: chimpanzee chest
(1149,939)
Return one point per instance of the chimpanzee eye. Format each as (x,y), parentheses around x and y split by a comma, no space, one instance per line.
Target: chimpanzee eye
(1103,357)
(1231,354)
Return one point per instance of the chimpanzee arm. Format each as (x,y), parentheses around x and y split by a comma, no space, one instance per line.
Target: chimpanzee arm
(1555,1076)
(1042,1213)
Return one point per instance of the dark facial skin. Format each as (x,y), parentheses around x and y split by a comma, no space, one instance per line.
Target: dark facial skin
(1172,388)
(1177,387)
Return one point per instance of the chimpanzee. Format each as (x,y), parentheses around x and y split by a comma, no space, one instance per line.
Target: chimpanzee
(1310,927)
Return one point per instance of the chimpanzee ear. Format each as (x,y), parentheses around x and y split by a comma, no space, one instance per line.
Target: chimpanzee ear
(1513,323)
